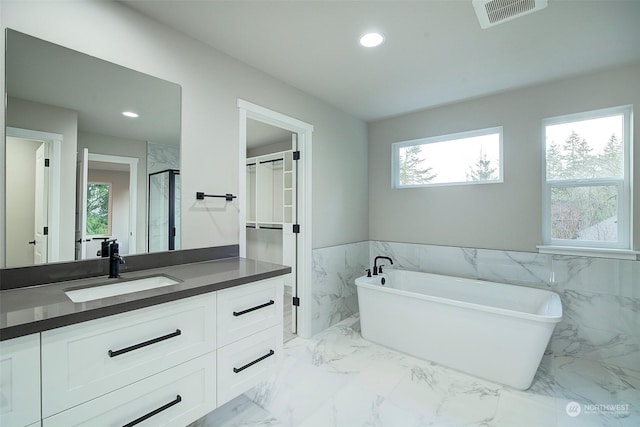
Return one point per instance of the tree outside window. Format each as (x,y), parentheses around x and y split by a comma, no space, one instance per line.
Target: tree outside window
(98,209)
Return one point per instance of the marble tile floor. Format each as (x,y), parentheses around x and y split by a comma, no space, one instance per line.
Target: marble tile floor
(338,379)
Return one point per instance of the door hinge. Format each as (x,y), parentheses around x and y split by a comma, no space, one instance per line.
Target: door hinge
(46,163)
(45,231)
(296,301)
(296,155)
(296,228)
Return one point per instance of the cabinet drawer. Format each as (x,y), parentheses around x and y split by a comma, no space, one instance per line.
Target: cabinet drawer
(20,381)
(247,309)
(245,363)
(84,361)
(177,396)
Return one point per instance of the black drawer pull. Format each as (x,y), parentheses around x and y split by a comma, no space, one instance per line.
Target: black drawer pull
(114,353)
(259,359)
(257,307)
(177,400)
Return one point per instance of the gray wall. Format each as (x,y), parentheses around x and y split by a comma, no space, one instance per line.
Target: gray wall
(211,84)
(496,216)
(47,118)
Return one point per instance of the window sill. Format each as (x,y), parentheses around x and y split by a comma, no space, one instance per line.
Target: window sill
(589,252)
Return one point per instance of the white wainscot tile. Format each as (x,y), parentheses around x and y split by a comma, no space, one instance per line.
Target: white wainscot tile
(610,276)
(611,347)
(521,268)
(602,311)
(450,261)
(405,256)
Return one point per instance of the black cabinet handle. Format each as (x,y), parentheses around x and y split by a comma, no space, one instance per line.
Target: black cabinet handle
(177,400)
(257,307)
(259,359)
(114,353)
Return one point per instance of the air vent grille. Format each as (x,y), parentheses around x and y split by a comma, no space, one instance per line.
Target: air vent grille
(493,12)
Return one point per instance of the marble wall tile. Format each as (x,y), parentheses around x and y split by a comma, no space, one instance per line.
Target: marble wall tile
(333,290)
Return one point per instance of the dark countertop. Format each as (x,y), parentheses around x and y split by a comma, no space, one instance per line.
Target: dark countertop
(32,309)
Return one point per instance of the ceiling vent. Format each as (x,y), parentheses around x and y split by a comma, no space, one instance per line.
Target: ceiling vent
(494,12)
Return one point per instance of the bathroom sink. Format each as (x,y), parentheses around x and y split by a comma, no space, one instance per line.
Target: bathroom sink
(119,287)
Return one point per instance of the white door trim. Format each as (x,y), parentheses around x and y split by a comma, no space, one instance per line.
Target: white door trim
(54,141)
(133,191)
(248,110)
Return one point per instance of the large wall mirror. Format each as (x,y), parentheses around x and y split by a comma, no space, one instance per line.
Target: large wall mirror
(79,168)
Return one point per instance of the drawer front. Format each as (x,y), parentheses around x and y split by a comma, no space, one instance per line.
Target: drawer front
(84,361)
(245,363)
(175,397)
(247,309)
(20,381)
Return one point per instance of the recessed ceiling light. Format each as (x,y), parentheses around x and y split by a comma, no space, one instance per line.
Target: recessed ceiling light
(371,39)
(129,114)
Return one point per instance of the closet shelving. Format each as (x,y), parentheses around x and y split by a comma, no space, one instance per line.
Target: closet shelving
(270,190)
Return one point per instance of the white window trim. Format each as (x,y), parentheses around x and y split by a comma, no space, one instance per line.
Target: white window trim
(395,159)
(621,249)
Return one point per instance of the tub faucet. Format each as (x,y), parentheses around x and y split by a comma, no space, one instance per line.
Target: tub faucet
(378,270)
(114,258)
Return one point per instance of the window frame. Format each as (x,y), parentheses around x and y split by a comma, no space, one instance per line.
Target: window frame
(623,184)
(395,157)
(109,210)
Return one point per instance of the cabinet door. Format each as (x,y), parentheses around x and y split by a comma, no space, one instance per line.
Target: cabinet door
(247,309)
(20,381)
(175,397)
(83,361)
(244,363)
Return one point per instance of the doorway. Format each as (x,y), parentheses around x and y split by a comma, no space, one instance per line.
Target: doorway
(106,206)
(32,202)
(283,230)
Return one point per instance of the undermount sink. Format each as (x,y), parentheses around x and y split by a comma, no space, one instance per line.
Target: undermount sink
(119,287)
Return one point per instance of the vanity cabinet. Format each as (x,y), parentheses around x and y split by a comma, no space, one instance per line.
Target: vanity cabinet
(20,381)
(250,335)
(175,397)
(83,361)
(164,365)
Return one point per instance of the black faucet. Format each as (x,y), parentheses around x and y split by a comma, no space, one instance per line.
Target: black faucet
(111,249)
(378,270)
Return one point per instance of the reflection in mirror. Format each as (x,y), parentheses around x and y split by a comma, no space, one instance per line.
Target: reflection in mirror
(79,171)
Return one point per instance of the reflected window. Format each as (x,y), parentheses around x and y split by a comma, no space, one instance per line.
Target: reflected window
(99,209)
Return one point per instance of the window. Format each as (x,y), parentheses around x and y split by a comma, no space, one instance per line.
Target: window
(98,209)
(461,158)
(587,189)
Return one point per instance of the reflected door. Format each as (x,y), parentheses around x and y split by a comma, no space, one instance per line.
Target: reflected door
(41,203)
(82,178)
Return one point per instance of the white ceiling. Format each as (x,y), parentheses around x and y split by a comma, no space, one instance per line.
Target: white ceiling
(435,51)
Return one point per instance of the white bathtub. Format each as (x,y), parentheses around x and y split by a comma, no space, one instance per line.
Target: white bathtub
(491,330)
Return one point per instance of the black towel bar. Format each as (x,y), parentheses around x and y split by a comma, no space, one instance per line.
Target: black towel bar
(228,197)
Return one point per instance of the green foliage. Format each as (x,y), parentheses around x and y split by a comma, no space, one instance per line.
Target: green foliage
(482,170)
(411,170)
(584,212)
(98,209)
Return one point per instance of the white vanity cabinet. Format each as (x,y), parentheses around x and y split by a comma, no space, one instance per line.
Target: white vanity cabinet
(163,365)
(20,381)
(250,337)
(83,361)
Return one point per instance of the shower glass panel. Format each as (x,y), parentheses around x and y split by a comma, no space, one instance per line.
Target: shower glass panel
(164,210)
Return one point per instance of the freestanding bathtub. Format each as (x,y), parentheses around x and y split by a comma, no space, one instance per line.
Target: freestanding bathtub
(491,330)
